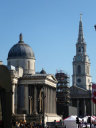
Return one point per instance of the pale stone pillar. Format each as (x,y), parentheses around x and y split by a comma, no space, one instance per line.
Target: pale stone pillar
(13,98)
(15,104)
(30,105)
(35,100)
(51,104)
(77,107)
(54,101)
(48,99)
(26,100)
(45,99)
(40,103)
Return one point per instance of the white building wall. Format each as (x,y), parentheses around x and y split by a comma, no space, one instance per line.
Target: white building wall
(28,65)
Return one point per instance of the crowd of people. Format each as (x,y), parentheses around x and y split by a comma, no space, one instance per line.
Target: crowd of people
(24,124)
(87,124)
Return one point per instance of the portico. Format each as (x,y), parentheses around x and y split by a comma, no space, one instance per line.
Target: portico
(35,86)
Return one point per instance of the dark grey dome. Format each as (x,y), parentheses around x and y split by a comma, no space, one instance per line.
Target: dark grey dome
(43,71)
(21,50)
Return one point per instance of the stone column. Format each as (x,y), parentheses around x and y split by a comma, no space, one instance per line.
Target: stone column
(77,107)
(35,100)
(30,105)
(51,104)
(49,99)
(13,98)
(93,109)
(54,100)
(46,101)
(15,104)
(40,103)
(26,100)
(84,106)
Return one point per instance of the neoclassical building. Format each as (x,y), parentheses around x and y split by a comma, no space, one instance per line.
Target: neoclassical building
(81,78)
(34,94)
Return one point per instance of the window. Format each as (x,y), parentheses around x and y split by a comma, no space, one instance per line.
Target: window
(79,69)
(88,81)
(28,64)
(79,49)
(79,80)
(87,69)
(82,50)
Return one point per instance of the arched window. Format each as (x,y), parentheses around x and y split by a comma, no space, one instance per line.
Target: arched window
(79,69)
(87,69)
(79,49)
(28,64)
(82,49)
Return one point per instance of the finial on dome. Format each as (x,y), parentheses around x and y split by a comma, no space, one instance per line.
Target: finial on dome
(20,37)
(81,16)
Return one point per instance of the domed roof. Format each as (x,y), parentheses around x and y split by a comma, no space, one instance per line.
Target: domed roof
(43,71)
(21,50)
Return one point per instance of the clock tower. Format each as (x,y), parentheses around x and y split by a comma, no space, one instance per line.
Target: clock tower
(81,63)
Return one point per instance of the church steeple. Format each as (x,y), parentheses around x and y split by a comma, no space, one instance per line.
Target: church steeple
(81,63)
(80,34)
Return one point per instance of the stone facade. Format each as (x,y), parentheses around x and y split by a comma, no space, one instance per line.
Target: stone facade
(34,94)
(81,86)
(81,63)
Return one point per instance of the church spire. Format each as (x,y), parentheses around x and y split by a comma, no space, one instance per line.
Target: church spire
(80,35)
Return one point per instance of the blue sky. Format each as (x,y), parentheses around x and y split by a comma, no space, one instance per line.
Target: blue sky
(50,27)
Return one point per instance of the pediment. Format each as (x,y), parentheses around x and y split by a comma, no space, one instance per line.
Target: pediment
(74,90)
(51,77)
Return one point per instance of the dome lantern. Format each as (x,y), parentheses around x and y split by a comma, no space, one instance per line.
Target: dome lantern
(20,37)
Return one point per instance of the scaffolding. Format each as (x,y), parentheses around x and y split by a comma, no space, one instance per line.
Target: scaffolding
(62,91)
